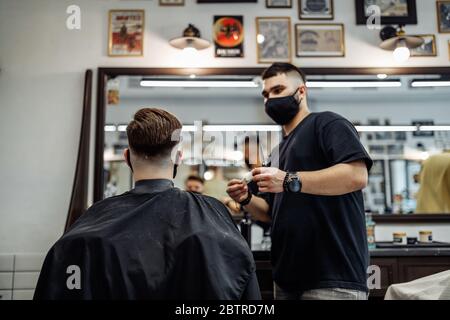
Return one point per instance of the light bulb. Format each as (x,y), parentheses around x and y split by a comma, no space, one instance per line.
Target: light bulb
(208,175)
(189,50)
(260,38)
(401,53)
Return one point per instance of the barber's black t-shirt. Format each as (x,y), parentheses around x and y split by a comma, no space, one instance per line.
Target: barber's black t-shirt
(319,241)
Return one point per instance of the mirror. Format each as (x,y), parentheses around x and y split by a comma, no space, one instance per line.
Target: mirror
(402,119)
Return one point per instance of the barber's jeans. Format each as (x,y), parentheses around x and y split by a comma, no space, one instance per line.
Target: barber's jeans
(320,294)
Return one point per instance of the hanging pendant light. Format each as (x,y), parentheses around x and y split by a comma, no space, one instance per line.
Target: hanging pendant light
(191,40)
(398,42)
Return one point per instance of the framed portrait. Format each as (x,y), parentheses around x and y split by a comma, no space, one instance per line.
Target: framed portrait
(391,11)
(319,40)
(315,10)
(126,33)
(427,49)
(273,39)
(278,4)
(443,13)
(228,33)
(171,3)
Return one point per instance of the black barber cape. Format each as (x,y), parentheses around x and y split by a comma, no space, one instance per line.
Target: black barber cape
(153,242)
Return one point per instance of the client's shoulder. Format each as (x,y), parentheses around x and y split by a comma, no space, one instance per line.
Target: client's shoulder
(208,199)
(206,203)
(108,202)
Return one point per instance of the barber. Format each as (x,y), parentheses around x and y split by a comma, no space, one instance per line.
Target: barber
(311,193)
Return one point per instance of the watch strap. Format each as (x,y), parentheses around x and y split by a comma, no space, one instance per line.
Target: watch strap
(247,200)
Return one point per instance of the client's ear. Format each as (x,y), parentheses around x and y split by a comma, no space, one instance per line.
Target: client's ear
(127,157)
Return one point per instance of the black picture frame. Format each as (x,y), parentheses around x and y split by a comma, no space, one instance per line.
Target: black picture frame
(301,15)
(361,17)
(268,6)
(439,5)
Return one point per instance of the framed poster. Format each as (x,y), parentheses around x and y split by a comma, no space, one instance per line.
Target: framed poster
(427,49)
(171,3)
(228,33)
(273,37)
(443,13)
(273,4)
(319,40)
(126,33)
(315,9)
(391,11)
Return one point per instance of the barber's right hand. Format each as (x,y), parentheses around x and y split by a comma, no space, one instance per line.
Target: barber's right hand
(237,190)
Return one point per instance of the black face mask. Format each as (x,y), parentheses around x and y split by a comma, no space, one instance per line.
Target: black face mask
(283,109)
(175,167)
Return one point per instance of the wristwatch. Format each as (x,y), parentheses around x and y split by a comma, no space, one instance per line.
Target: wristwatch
(247,200)
(292,183)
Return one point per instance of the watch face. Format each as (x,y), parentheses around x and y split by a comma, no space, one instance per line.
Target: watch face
(294,185)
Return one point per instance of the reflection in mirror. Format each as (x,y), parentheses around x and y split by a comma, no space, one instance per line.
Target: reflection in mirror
(395,118)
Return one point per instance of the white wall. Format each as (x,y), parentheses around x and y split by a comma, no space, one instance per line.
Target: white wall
(41,81)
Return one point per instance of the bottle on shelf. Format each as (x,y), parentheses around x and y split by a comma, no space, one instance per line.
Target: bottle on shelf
(370,226)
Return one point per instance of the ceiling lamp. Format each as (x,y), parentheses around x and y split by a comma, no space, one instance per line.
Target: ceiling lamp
(190,40)
(397,41)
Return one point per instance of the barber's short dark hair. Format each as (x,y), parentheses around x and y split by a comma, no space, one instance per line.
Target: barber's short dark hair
(195,178)
(282,68)
(153,132)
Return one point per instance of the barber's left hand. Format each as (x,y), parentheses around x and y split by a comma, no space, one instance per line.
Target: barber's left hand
(269,179)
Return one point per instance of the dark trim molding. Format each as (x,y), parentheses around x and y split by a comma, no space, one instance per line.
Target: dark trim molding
(100,134)
(104,73)
(78,200)
(411,218)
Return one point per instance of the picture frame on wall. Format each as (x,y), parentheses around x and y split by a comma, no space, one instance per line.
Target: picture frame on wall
(173,3)
(443,14)
(315,9)
(126,33)
(427,49)
(392,11)
(273,39)
(319,40)
(228,34)
(449,50)
(274,4)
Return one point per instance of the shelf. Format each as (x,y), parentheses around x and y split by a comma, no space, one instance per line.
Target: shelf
(411,218)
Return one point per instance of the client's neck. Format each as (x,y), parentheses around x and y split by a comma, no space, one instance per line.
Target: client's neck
(151,173)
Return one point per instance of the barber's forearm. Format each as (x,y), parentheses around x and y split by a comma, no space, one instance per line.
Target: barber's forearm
(258,209)
(340,179)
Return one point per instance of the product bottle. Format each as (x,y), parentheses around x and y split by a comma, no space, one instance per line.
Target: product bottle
(370,226)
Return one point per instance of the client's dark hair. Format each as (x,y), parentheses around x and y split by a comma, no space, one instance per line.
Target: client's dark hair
(153,132)
(195,178)
(282,68)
